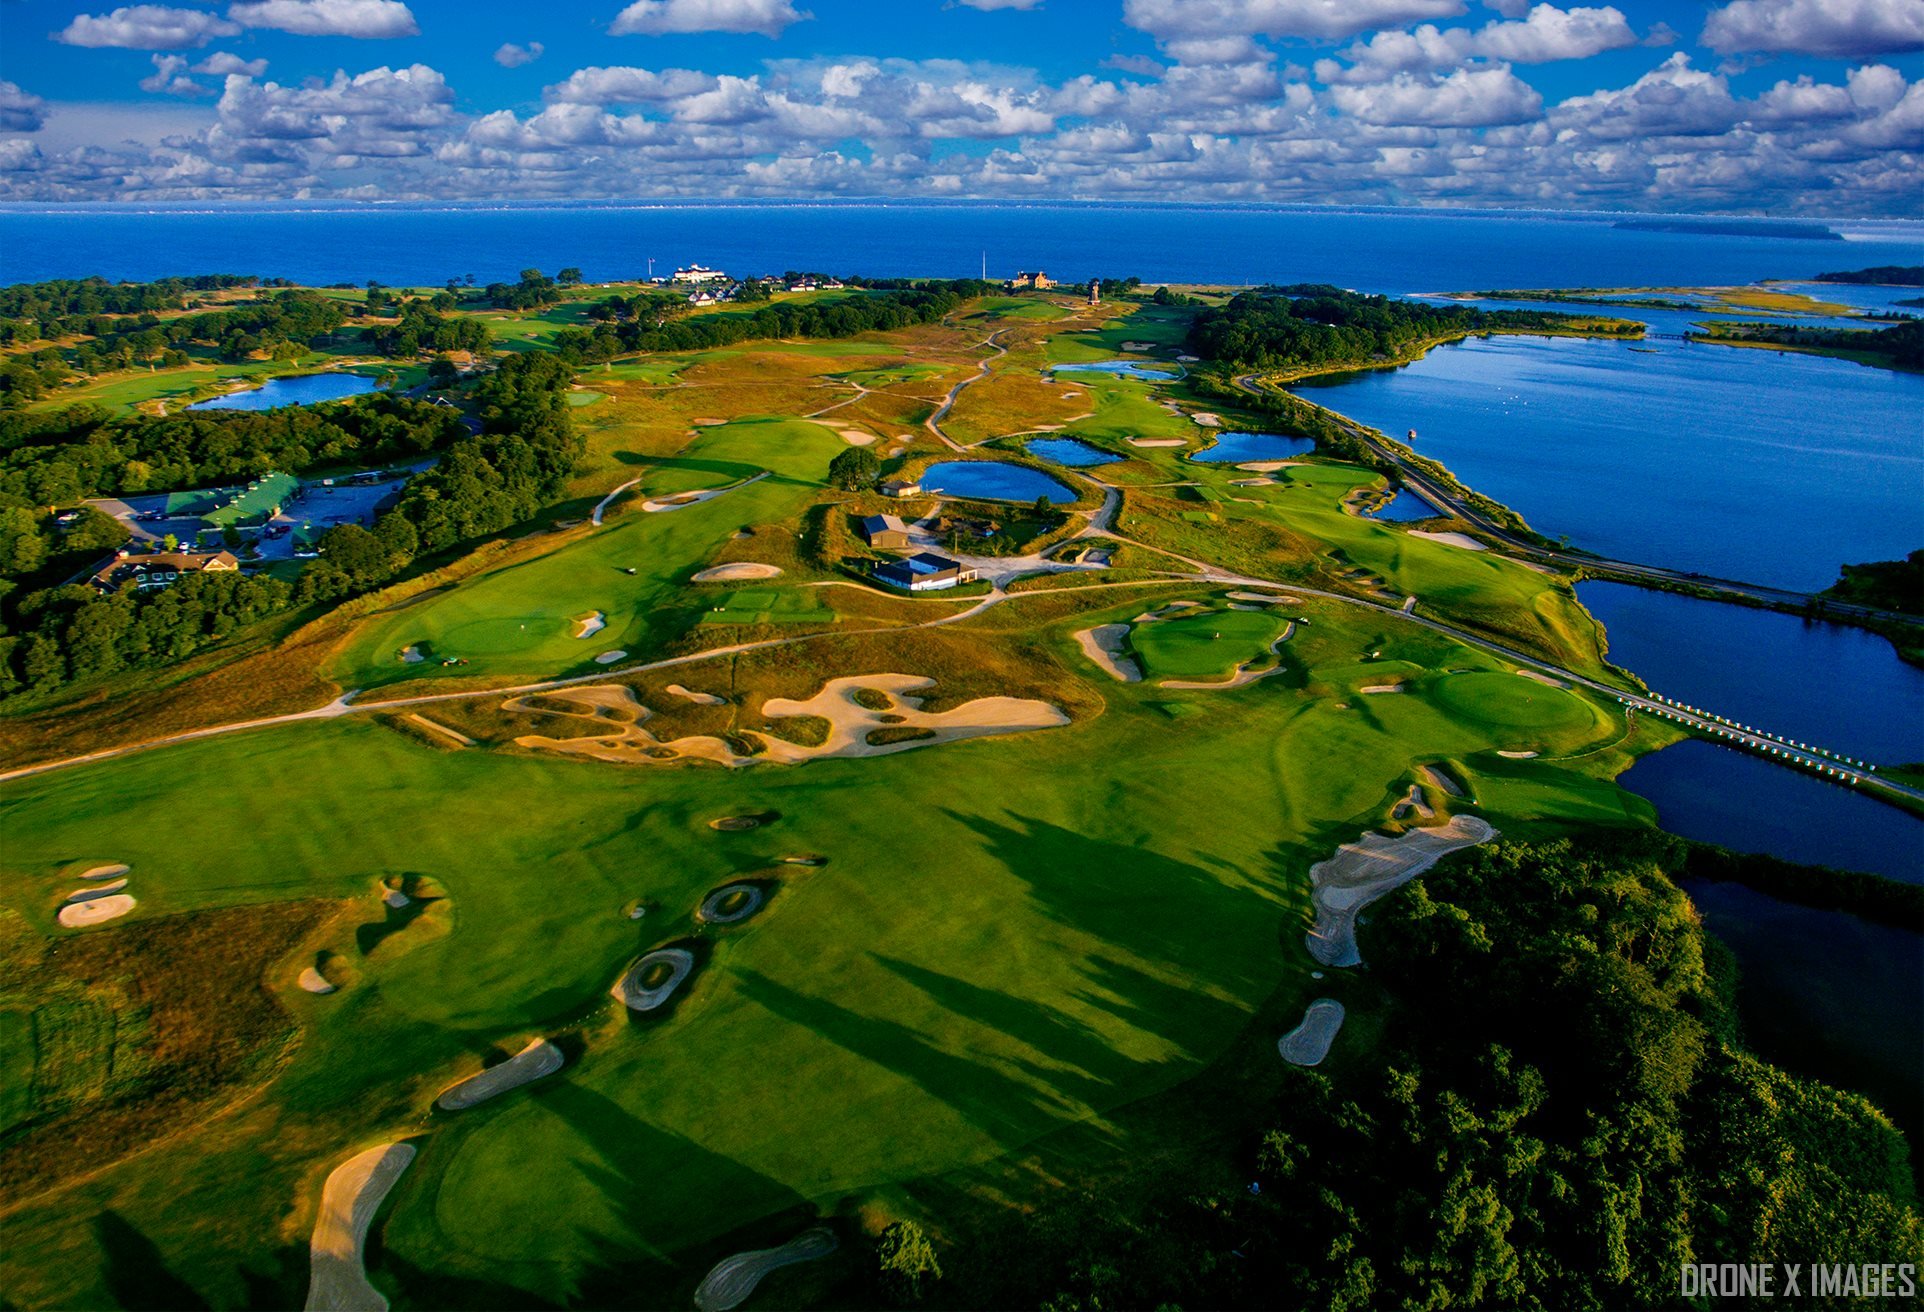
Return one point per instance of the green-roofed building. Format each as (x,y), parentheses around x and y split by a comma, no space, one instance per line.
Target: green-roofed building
(253,505)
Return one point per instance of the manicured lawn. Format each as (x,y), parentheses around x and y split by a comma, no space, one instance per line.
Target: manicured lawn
(1013,962)
(770,606)
(1206,646)
(520,619)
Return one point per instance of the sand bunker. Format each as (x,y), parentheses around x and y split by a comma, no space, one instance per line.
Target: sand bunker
(1157,441)
(1138,346)
(589,625)
(79,915)
(1246,673)
(745,569)
(1438,777)
(106,872)
(1308,1043)
(628,989)
(733,1279)
(1208,420)
(314,982)
(1462,540)
(1189,359)
(683,500)
(699,698)
(850,724)
(1266,466)
(435,726)
(1413,805)
(89,894)
(1363,871)
(610,657)
(412,656)
(1267,598)
(856,437)
(1517,756)
(1164,612)
(395,898)
(1543,679)
(711,909)
(349,1200)
(1105,646)
(1381,687)
(736,824)
(539,1058)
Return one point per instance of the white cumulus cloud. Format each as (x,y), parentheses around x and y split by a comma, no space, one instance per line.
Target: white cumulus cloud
(20,111)
(365,19)
(222,63)
(146,27)
(662,17)
(1466,98)
(1328,19)
(511,55)
(1840,28)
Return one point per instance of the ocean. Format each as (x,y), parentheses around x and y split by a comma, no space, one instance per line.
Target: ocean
(1391,251)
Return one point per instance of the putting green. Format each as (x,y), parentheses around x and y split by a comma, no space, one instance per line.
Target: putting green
(1511,701)
(1209,645)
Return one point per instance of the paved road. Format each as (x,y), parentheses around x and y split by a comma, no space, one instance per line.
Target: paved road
(1596,566)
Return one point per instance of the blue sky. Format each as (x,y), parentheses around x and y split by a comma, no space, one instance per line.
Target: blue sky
(1771,106)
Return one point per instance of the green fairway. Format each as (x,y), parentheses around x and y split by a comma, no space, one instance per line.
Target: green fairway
(521,619)
(972,967)
(1206,646)
(770,606)
(1510,701)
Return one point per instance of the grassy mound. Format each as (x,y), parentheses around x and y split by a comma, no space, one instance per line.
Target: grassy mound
(1510,701)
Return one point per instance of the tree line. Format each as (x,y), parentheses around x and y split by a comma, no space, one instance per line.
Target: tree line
(72,307)
(1315,326)
(1557,1111)
(901,307)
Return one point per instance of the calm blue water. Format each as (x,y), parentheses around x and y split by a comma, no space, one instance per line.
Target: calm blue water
(1717,794)
(1120,368)
(1069,451)
(1823,684)
(303,390)
(1239,448)
(994,480)
(1736,463)
(1404,508)
(1826,994)
(1373,250)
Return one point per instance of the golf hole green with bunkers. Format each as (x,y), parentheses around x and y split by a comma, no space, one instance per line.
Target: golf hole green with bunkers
(953,958)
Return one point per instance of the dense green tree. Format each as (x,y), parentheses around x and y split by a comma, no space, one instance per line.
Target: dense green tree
(906,1260)
(854,470)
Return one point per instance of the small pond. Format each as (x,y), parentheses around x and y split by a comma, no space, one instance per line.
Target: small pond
(994,480)
(1404,508)
(1121,369)
(1069,451)
(1240,448)
(303,390)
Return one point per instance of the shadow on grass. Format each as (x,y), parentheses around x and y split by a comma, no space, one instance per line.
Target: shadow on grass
(134,1271)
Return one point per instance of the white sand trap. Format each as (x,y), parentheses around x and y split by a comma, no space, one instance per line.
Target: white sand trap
(1543,679)
(628,989)
(850,724)
(1138,346)
(856,437)
(435,726)
(1246,673)
(708,423)
(79,915)
(1208,420)
(1308,1043)
(1375,688)
(350,1198)
(736,572)
(1266,466)
(1413,805)
(106,872)
(539,1058)
(1437,777)
(412,656)
(733,1279)
(395,898)
(1164,612)
(589,625)
(699,698)
(1267,598)
(1361,872)
(314,982)
(711,906)
(102,890)
(683,500)
(1462,540)
(1189,359)
(1517,756)
(1157,441)
(610,657)
(1104,646)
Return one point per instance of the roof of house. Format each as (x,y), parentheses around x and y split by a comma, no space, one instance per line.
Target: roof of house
(873,524)
(262,497)
(179,562)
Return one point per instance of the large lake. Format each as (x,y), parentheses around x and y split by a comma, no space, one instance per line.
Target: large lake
(301,389)
(1732,462)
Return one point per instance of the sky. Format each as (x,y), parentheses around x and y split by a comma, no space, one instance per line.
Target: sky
(1783,107)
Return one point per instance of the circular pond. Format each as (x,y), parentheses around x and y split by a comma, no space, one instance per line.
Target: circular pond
(994,480)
